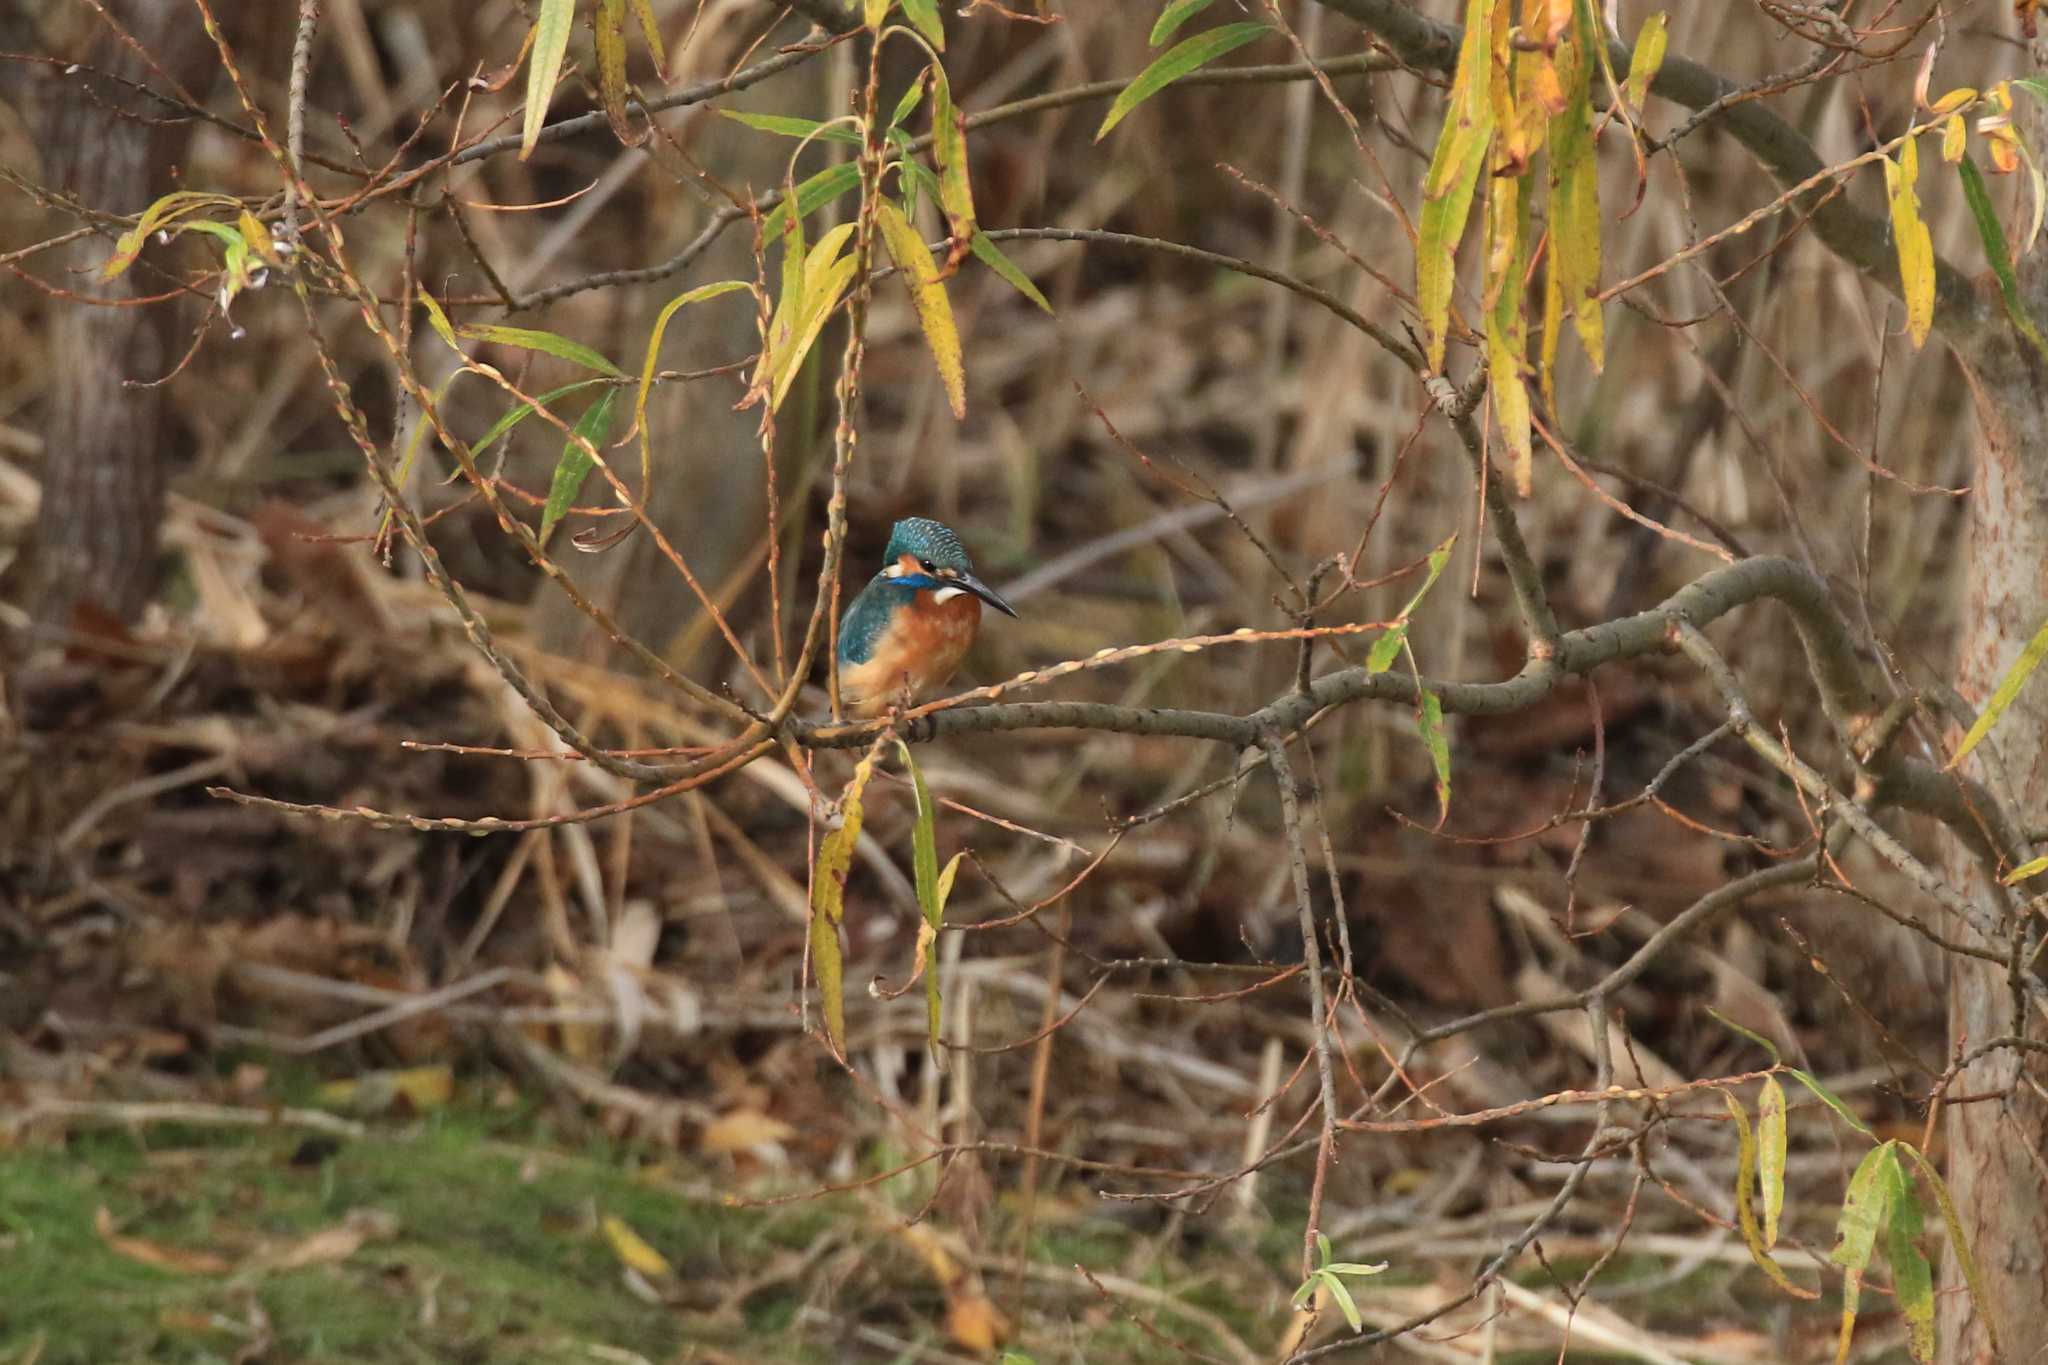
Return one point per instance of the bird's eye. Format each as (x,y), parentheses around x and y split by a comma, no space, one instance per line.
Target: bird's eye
(928,566)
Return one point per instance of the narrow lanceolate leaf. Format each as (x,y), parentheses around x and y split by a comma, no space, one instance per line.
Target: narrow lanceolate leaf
(1992,233)
(534,339)
(928,296)
(608,30)
(155,218)
(826,276)
(1912,1277)
(2032,867)
(674,306)
(594,426)
(1386,649)
(933,1002)
(1430,720)
(813,194)
(1831,1100)
(1176,13)
(550,43)
(1770,1159)
(784,125)
(1177,61)
(1958,1242)
(2007,692)
(949,149)
(437,318)
(1647,59)
(1453,174)
(924,838)
(874,12)
(1915,244)
(1745,1210)
(643,10)
(828,905)
(1438,558)
(1575,192)
(990,255)
(925,15)
(519,413)
(1865,1211)
(1507,331)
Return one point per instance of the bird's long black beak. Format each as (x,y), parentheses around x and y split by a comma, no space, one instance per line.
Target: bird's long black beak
(986,593)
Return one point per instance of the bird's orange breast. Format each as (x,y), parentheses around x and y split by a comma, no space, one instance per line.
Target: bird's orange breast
(921,649)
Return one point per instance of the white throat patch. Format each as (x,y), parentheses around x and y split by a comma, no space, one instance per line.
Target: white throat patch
(946,594)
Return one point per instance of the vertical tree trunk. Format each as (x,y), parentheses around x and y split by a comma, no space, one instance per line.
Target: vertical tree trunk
(1998,1145)
(103,467)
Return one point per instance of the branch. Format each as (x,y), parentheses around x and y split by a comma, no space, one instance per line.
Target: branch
(1861,239)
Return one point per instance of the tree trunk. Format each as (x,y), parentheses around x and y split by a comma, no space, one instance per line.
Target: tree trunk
(104,456)
(1998,1145)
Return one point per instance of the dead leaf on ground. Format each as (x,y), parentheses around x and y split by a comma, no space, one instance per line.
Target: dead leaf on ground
(744,1130)
(374,1092)
(336,1243)
(179,1260)
(633,1250)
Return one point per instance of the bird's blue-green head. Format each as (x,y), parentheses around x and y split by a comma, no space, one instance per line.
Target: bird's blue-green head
(924,553)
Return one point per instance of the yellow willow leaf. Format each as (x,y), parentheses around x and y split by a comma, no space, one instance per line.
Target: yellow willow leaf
(674,305)
(1575,196)
(932,1001)
(949,149)
(874,12)
(1953,100)
(651,30)
(1955,139)
(1745,1211)
(1770,1162)
(550,43)
(632,1249)
(2005,694)
(170,208)
(1553,327)
(608,33)
(2032,867)
(1507,334)
(1915,245)
(1453,174)
(1647,59)
(828,905)
(928,296)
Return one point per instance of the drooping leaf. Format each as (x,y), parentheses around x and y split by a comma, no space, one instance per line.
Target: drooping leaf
(826,275)
(911,96)
(949,149)
(159,215)
(544,67)
(669,310)
(1865,1211)
(1770,1161)
(1647,59)
(925,15)
(1770,1048)
(933,1004)
(1575,192)
(1745,1209)
(1915,244)
(1831,1100)
(608,32)
(1386,649)
(1176,13)
(1958,1241)
(520,412)
(828,905)
(1912,1277)
(1181,59)
(2007,692)
(1430,720)
(594,426)
(924,839)
(875,11)
(813,194)
(1453,175)
(782,125)
(990,255)
(1507,329)
(928,297)
(643,10)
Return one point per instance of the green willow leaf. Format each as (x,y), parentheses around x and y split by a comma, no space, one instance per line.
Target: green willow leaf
(1770,1163)
(812,195)
(991,256)
(828,905)
(782,125)
(1180,60)
(925,15)
(1176,13)
(1430,720)
(594,426)
(2007,692)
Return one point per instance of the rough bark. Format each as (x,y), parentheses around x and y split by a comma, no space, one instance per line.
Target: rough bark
(104,461)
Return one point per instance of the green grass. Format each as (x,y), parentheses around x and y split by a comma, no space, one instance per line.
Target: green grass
(496,1257)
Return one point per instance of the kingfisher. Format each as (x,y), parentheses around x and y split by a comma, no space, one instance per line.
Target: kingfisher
(912,623)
